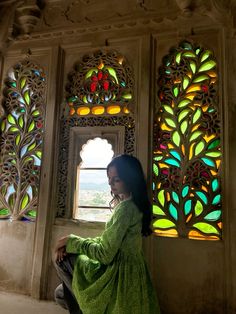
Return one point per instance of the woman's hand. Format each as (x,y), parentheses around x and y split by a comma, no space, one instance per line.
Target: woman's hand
(60,249)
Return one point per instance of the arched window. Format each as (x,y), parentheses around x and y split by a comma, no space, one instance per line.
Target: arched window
(99,102)
(187,150)
(21,141)
(93,192)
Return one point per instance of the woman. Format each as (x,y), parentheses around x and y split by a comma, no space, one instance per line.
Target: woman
(109,272)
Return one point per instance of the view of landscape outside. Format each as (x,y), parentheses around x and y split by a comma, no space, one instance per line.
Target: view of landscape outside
(93,188)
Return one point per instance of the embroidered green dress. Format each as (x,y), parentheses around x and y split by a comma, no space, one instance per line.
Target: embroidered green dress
(110,274)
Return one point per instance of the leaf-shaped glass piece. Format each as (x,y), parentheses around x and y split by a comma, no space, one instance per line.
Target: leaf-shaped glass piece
(11,119)
(205,55)
(187,207)
(163,224)
(27,97)
(195,135)
(216,199)
(31,126)
(206,228)
(24,201)
(176,138)
(170,122)
(185,191)
(183,114)
(184,103)
(213,216)
(172,162)
(21,121)
(213,144)
(168,109)
(185,82)
(13,129)
(157,210)
(35,113)
(173,211)
(176,91)
(197,115)
(178,57)
(207,66)
(201,78)
(3,125)
(38,154)
(175,154)
(198,209)
(184,126)
(157,158)
(22,82)
(155,169)
(4,211)
(199,148)
(161,198)
(208,162)
(214,154)
(17,140)
(189,54)
(202,197)
(31,214)
(215,185)
(175,197)
(192,66)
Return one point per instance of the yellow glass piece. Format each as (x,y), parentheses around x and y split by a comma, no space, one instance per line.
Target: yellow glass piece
(190,96)
(98,110)
(168,196)
(193,88)
(204,108)
(70,104)
(191,151)
(213,80)
(170,145)
(195,127)
(164,127)
(120,60)
(204,188)
(218,163)
(159,185)
(219,225)
(189,217)
(197,235)
(126,110)
(72,111)
(113,109)
(161,165)
(83,111)
(214,173)
(167,233)
(183,149)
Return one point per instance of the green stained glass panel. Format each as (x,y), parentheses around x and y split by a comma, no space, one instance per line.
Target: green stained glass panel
(208,162)
(198,209)
(213,216)
(155,169)
(214,154)
(195,135)
(213,144)
(168,109)
(185,191)
(199,148)
(201,78)
(184,126)
(163,224)
(205,55)
(170,122)
(206,228)
(157,210)
(193,66)
(173,211)
(184,103)
(183,114)
(207,66)
(176,138)
(161,197)
(187,207)
(202,197)
(216,199)
(176,91)
(197,115)
(186,82)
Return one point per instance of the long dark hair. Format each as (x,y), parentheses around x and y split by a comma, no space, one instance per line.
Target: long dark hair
(130,171)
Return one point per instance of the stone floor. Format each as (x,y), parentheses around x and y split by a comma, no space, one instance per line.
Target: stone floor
(19,304)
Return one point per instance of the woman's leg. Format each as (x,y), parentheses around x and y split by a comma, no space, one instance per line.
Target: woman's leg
(64,270)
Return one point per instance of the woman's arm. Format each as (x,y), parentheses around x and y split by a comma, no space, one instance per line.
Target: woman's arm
(110,241)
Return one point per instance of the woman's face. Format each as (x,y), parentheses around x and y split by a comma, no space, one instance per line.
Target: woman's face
(117,185)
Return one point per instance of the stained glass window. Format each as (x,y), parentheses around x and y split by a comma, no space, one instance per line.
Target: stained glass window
(187,200)
(101,84)
(21,141)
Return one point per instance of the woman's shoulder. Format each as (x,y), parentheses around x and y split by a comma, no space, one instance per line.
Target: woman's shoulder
(126,207)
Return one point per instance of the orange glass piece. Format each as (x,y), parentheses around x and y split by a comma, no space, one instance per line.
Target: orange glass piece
(98,110)
(197,235)
(72,111)
(167,233)
(113,109)
(126,110)
(83,111)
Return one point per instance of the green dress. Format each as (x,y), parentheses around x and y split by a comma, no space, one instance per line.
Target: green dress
(110,274)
